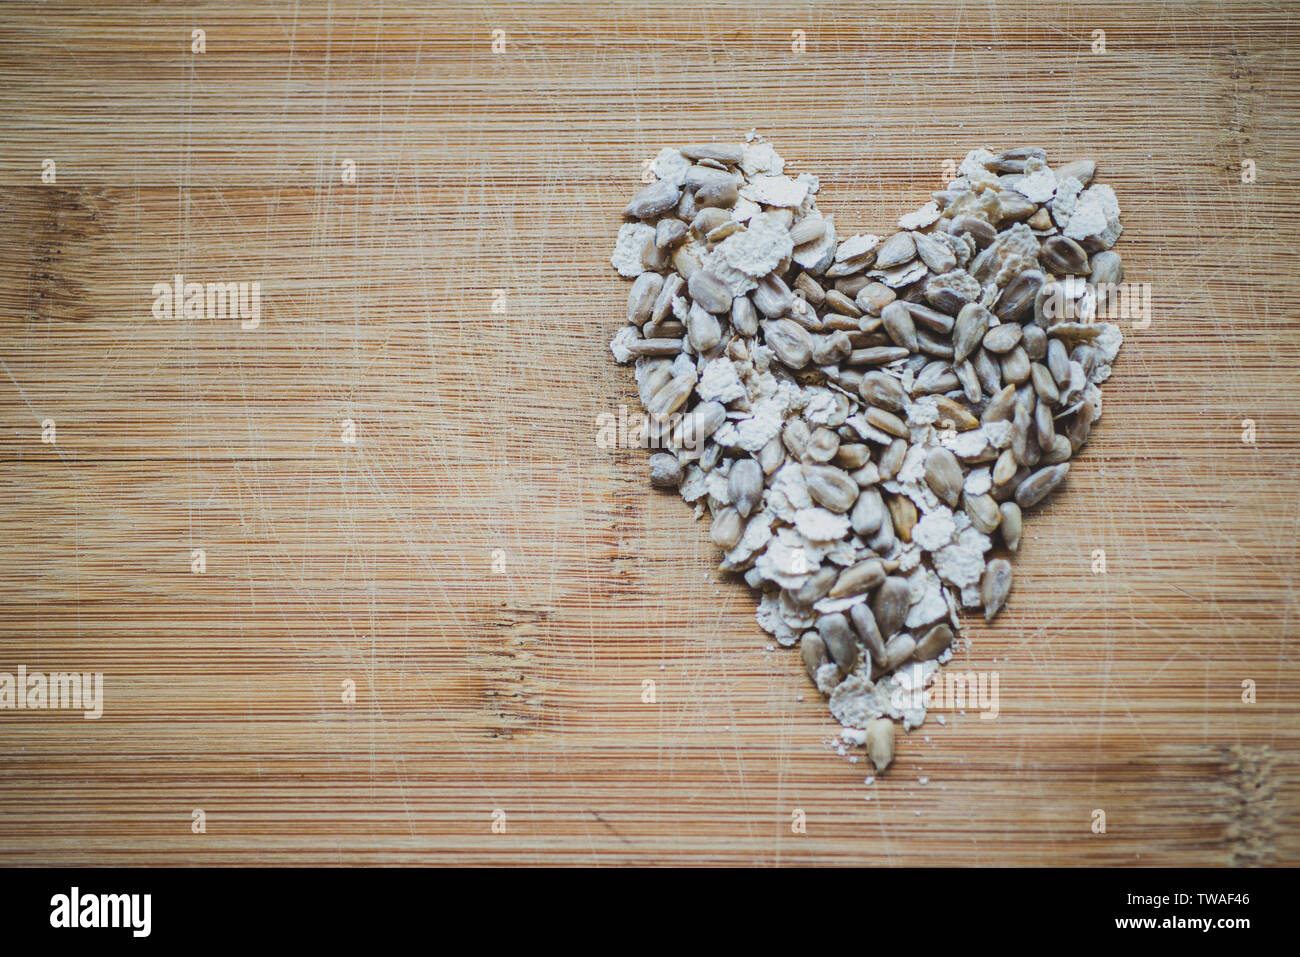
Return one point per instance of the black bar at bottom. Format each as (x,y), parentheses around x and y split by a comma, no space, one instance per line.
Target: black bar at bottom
(620,906)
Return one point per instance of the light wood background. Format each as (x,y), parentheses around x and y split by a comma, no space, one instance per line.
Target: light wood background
(522,691)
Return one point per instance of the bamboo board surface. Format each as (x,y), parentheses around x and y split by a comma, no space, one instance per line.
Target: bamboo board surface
(521,691)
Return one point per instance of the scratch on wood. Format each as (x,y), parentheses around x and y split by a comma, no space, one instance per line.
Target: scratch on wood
(507,667)
(1251,804)
(49,221)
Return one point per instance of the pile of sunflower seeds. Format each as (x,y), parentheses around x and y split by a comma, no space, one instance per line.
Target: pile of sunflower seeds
(866,418)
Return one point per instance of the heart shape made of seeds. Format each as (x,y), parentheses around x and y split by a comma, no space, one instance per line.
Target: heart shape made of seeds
(867,418)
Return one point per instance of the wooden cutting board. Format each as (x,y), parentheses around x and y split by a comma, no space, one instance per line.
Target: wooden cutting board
(496,587)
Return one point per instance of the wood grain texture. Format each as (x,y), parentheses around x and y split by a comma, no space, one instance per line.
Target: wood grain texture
(522,691)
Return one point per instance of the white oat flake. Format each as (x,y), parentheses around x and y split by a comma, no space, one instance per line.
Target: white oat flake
(775,191)
(632,239)
(919,219)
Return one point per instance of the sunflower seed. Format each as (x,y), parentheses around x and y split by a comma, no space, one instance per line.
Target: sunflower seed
(658,197)
(943,474)
(744,317)
(882,390)
(934,254)
(882,541)
(886,422)
(672,287)
(807,230)
(853,456)
(655,347)
(934,378)
(1045,430)
(970,327)
(866,476)
(709,292)
(1086,356)
(665,470)
(816,587)
(1059,451)
(890,604)
(727,528)
(867,512)
(728,153)
(745,483)
(895,251)
(795,436)
(1001,406)
(711,457)
(1034,341)
(808,287)
(671,396)
(813,651)
(1037,486)
(771,456)
(930,320)
(669,231)
(842,304)
(983,511)
(897,650)
(891,460)
(1010,525)
(822,446)
(839,640)
(859,578)
(1015,366)
(1082,170)
(1081,425)
(880,743)
(994,586)
(970,383)
(902,514)
(641,298)
(1004,470)
(1002,338)
(789,341)
(933,643)
(864,623)
(1020,425)
(954,415)
(707,220)
(698,424)
(1040,222)
(1044,384)
(1075,331)
(873,297)
(772,296)
(988,372)
(1106,271)
(686,259)
(1058,362)
(932,345)
(830,487)
(877,355)
(717,193)
(1018,295)
(978,229)
(1063,256)
(1012,207)
(702,328)
(897,321)
(1013,160)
